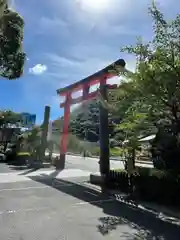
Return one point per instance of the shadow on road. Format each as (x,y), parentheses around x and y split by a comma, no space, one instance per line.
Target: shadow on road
(31,170)
(55,173)
(52,175)
(17,168)
(24,167)
(145,224)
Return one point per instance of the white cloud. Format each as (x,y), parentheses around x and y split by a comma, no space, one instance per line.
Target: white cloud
(38,69)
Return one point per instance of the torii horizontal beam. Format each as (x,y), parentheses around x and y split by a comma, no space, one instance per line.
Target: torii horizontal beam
(105,72)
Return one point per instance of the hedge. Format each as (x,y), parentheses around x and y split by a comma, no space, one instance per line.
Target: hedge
(20,158)
(149,184)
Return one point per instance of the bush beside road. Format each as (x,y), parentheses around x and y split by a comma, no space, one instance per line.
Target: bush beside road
(152,185)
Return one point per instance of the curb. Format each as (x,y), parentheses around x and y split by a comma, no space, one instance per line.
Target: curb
(165,215)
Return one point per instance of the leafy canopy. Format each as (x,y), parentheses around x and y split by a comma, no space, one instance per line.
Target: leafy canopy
(9,118)
(12,56)
(153,91)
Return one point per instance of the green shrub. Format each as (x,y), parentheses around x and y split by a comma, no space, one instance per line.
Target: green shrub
(149,184)
(21,158)
(117,152)
(118,179)
(165,149)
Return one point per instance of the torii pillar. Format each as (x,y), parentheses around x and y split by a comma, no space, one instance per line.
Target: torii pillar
(60,164)
(104,131)
(100,77)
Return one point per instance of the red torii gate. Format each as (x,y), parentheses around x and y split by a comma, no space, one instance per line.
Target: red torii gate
(100,77)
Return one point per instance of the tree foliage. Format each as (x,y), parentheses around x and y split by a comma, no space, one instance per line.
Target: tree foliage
(157,77)
(152,93)
(12,56)
(9,118)
(152,100)
(85,123)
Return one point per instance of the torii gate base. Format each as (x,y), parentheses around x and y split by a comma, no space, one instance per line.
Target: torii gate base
(84,85)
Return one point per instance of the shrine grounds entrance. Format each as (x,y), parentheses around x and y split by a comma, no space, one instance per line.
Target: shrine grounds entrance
(84,85)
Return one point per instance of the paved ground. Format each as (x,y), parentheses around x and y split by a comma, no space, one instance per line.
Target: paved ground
(4,168)
(78,162)
(91,164)
(35,207)
(26,175)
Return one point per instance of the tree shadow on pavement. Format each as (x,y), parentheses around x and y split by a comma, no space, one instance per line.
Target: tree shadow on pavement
(38,167)
(55,173)
(31,170)
(145,224)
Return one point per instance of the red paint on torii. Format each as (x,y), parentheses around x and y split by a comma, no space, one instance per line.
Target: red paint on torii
(99,77)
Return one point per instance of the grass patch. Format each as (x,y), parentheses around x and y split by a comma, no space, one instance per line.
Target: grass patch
(116,152)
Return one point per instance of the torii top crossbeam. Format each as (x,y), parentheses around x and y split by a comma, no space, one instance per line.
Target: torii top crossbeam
(92,79)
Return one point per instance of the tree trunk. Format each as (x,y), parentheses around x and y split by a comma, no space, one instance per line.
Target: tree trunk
(131,167)
(133,157)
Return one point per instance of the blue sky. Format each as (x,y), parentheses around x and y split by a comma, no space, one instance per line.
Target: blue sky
(66,40)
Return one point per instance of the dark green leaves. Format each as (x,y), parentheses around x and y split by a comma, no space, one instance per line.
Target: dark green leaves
(12,57)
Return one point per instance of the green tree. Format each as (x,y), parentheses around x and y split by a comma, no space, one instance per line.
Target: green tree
(157,77)
(33,140)
(154,88)
(9,118)
(155,83)
(12,56)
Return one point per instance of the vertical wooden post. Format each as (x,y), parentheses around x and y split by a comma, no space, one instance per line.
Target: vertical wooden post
(86,88)
(60,164)
(44,133)
(104,132)
(85,91)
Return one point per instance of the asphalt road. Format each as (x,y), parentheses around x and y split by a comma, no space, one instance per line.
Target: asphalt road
(43,208)
(88,164)
(92,165)
(4,168)
(54,210)
(78,162)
